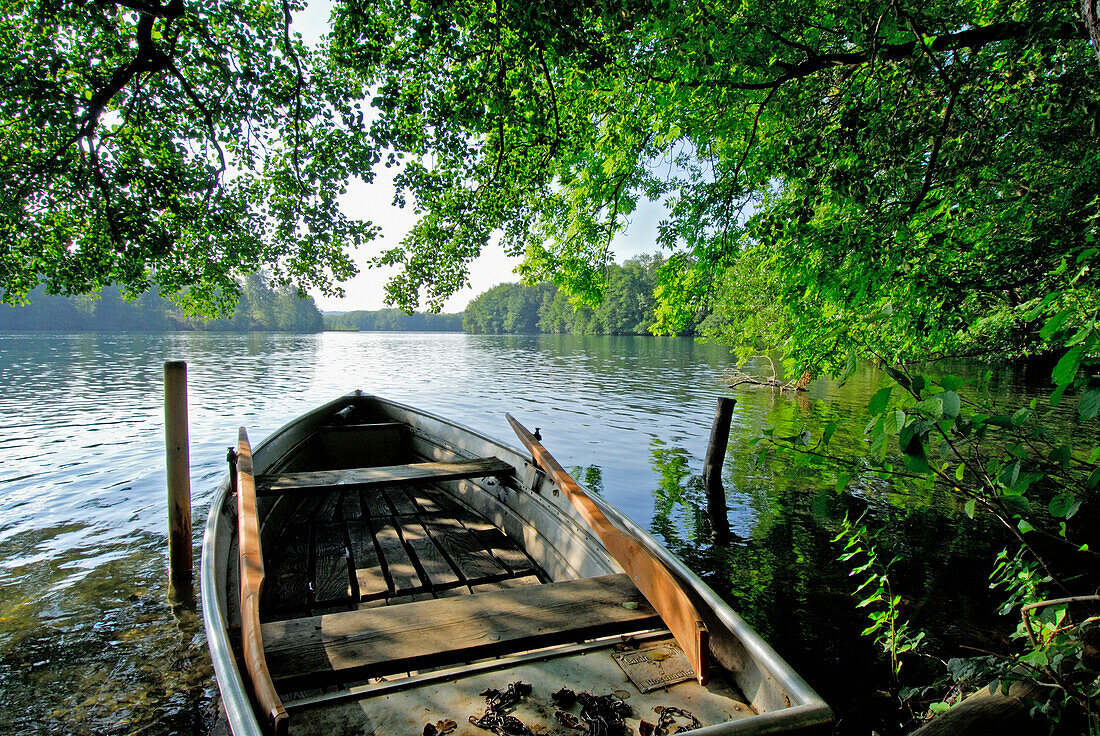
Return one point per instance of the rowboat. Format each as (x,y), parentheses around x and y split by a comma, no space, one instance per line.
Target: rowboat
(371,568)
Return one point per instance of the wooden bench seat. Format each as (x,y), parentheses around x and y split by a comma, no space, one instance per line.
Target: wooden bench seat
(438,632)
(386,475)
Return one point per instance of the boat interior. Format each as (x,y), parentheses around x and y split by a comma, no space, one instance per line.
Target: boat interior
(413,576)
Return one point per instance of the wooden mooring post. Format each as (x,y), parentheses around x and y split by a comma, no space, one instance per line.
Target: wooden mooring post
(178,456)
(712,469)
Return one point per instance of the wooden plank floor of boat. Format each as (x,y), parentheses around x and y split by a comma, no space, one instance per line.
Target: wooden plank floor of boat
(361,547)
(341,571)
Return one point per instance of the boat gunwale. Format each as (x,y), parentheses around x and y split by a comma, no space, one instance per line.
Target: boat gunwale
(806,709)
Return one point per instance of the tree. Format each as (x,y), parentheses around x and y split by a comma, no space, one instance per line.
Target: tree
(940,158)
(172,144)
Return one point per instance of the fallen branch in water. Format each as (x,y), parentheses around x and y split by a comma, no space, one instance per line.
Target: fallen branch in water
(734,377)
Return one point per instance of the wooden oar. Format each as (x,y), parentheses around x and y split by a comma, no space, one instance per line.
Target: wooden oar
(252,582)
(648,573)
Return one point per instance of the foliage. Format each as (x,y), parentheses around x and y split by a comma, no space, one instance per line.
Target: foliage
(259,308)
(937,156)
(888,628)
(1033,469)
(175,145)
(393,320)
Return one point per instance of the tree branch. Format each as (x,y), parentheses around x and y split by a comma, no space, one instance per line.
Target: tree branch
(937,144)
(971,38)
(299,81)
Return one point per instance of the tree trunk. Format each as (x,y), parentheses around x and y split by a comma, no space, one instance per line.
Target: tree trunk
(1090,13)
(990,714)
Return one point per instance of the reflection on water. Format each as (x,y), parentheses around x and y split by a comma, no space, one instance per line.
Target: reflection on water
(88,644)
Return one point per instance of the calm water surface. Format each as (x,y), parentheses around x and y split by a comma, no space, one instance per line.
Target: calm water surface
(89,645)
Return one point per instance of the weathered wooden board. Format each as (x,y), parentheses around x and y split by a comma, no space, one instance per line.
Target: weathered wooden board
(399,500)
(349,505)
(380,476)
(399,568)
(369,578)
(469,556)
(502,548)
(432,501)
(427,554)
(506,583)
(374,505)
(450,630)
(331,575)
(287,583)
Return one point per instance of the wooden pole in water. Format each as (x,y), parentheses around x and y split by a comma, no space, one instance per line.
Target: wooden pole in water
(180,559)
(712,468)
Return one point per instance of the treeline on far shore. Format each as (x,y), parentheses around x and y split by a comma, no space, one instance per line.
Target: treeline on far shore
(392,320)
(628,306)
(260,308)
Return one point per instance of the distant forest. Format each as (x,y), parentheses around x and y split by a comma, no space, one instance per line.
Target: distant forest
(628,306)
(383,320)
(260,308)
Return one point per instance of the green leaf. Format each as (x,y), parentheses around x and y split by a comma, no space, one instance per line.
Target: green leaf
(901,378)
(880,400)
(1089,403)
(1064,505)
(1041,306)
(969,508)
(951,404)
(997,420)
(827,434)
(875,598)
(842,480)
(960,472)
(1066,368)
(1054,324)
(1036,658)
(951,383)
(895,420)
(932,407)
(1024,526)
(1061,455)
(917,463)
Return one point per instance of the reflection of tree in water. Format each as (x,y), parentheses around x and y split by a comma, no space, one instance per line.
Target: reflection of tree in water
(591,477)
(781,573)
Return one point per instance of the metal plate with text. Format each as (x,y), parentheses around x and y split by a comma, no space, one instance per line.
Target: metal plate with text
(655,667)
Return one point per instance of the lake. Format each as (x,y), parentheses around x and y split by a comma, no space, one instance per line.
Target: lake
(89,644)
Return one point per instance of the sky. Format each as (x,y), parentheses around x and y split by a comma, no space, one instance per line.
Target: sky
(373,202)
